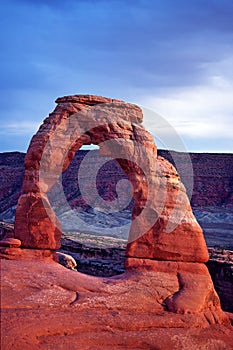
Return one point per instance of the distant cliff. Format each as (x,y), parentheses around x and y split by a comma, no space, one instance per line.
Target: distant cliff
(212,198)
(11,178)
(213,177)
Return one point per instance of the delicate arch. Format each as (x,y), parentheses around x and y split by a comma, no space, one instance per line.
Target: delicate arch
(160,198)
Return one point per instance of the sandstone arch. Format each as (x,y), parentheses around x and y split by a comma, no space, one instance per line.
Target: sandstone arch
(85,119)
(165,240)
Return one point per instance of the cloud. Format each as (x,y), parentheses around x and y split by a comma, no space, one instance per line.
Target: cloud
(198,112)
(19,128)
(149,52)
(15,136)
(146,43)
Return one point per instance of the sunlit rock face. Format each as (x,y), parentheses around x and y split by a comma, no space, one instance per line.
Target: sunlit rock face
(163,226)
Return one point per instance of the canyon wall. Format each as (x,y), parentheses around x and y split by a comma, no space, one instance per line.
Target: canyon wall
(212,198)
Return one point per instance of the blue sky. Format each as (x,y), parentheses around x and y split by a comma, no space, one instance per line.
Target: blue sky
(173,57)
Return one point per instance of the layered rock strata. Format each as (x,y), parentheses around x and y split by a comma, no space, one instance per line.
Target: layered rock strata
(212,199)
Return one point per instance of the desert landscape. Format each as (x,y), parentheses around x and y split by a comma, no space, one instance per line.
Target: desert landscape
(116,198)
(146,284)
(211,200)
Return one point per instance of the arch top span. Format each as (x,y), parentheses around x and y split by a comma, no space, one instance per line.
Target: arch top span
(163,225)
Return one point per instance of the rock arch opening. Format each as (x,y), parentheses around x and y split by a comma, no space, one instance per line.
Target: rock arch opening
(99,177)
(94,237)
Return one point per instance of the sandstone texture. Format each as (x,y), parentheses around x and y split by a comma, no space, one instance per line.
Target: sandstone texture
(10,242)
(164,300)
(105,256)
(51,151)
(114,120)
(46,306)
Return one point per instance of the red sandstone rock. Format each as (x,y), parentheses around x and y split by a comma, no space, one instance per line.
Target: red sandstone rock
(10,242)
(230,316)
(58,308)
(195,292)
(183,243)
(176,293)
(53,147)
(36,224)
(161,204)
(27,254)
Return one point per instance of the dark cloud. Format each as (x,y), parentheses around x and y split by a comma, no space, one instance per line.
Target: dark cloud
(53,47)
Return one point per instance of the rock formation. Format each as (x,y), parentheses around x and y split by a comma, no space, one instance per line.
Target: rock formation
(66,260)
(166,284)
(51,150)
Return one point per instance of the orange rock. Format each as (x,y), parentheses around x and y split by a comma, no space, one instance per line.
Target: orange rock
(77,120)
(10,242)
(46,306)
(166,248)
(11,253)
(163,225)
(175,235)
(36,225)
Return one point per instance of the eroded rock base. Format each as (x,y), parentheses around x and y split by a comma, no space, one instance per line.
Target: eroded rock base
(45,305)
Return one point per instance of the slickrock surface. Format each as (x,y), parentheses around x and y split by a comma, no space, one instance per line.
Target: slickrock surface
(104,256)
(164,300)
(46,306)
